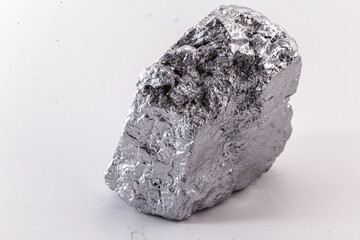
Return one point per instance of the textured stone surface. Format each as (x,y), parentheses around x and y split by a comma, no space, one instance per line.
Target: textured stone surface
(208,117)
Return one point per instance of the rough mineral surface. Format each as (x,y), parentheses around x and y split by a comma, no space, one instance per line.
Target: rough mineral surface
(209,116)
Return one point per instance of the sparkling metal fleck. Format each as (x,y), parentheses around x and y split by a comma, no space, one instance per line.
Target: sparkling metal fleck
(209,116)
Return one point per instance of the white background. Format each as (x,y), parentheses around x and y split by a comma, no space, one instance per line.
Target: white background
(68,71)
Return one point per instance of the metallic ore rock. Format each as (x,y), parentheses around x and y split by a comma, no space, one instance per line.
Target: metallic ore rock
(209,116)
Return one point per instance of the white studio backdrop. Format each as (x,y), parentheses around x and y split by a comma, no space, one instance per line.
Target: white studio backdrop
(68,71)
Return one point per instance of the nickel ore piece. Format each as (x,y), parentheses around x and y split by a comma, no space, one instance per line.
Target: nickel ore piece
(209,116)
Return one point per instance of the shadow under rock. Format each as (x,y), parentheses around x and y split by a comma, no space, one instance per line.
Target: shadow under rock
(266,198)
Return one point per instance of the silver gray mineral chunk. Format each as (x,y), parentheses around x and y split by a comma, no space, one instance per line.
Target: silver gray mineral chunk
(209,116)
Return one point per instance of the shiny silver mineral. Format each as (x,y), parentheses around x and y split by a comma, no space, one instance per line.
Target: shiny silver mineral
(209,116)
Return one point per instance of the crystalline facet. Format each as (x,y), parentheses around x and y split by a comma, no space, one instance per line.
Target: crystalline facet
(209,116)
